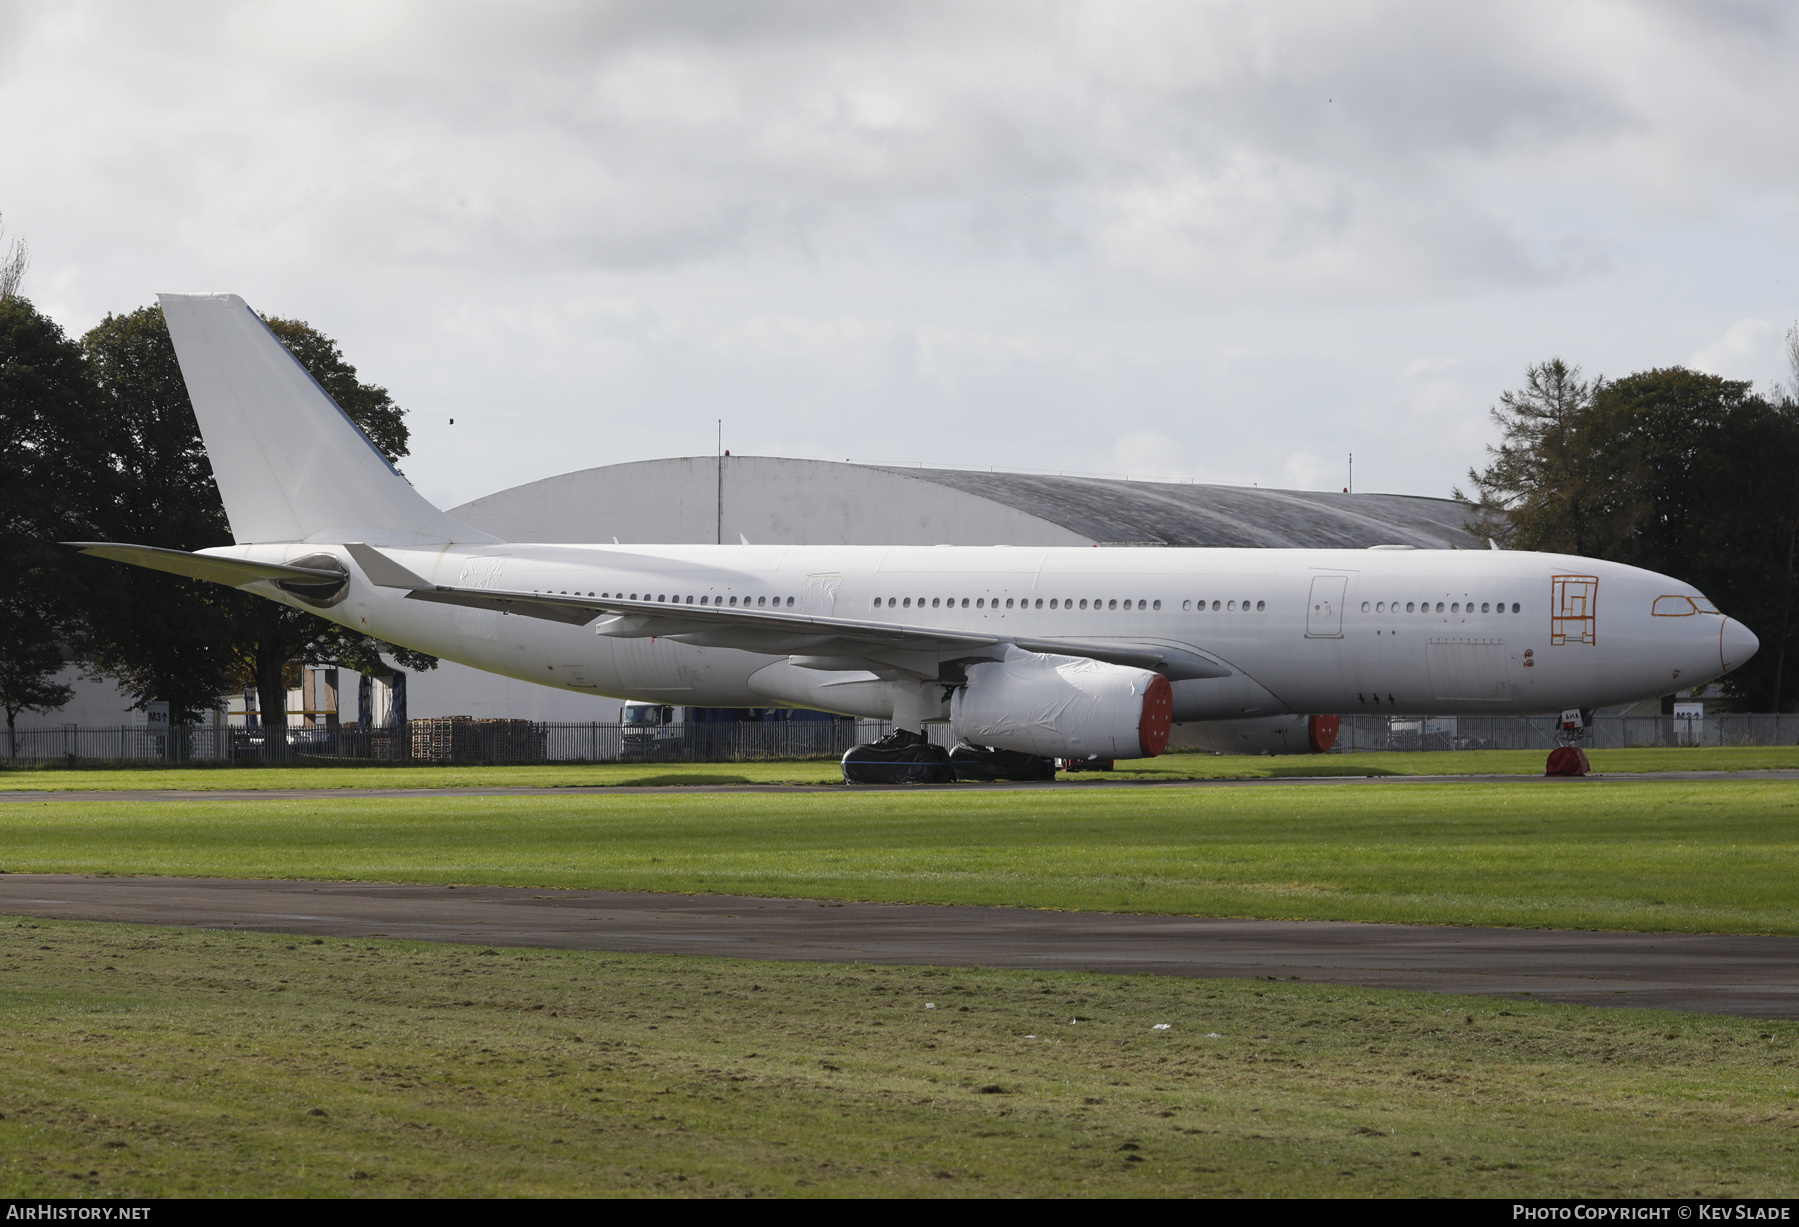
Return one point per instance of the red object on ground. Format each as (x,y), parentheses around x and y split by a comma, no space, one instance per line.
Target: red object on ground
(1321,731)
(1568,760)
(1158,717)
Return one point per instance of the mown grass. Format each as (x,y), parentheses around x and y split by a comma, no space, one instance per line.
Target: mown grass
(157,1062)
(1587,854)
(1180,766)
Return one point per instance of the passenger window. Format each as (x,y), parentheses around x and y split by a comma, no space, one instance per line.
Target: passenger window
(1231,605)
(1364,606)
(1083,604)
(1157,605)
(907,602)
(1439,606)
(964,602)
(1008,602)
(1261,605)
(1486,607)
(1214,606)
(1111,604)
(790,602)
(1408,607)
(1185,605)
(935,602)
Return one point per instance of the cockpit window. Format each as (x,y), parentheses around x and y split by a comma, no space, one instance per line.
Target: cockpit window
(1674,607)
(1706,606)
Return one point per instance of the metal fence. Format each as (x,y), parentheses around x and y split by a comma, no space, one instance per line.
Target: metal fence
(460,740)
(1362,733)
(444,740)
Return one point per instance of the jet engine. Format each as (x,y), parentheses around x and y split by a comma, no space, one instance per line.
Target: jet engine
(1063,707)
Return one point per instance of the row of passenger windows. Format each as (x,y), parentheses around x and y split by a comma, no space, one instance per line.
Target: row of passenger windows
(981,602)
(759,602)
(776,602)
(1427,607)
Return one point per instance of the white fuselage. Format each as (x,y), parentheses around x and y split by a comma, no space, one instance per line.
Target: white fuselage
(1319,631)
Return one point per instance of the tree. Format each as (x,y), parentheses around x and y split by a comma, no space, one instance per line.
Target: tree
(186,641)
(161,637)
(12,266)
(1547,486)
(1672,470)
(29,659)
(52,465)
(369,406)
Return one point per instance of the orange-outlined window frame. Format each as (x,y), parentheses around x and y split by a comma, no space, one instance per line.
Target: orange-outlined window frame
(1573,609)
(1675,606)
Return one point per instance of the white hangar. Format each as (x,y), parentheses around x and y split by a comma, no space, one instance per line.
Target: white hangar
(770,500)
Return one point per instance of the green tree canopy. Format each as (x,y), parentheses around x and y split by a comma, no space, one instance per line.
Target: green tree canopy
(186,641)
(51,469)
(1673,470)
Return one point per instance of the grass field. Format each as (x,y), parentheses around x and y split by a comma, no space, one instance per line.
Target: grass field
(154,1062)
(1167,767)
(1714,856)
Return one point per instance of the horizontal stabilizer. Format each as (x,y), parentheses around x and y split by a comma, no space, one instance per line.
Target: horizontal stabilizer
(233,571)
(384,572)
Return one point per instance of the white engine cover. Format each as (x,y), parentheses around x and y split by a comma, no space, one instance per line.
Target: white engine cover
(1063,707)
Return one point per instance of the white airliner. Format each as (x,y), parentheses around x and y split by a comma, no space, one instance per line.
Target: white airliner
(1063,652)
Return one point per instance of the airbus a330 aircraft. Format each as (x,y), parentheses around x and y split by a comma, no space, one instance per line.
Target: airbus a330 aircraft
(1058,652)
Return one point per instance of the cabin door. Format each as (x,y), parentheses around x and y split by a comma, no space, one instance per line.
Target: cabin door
(1324,613)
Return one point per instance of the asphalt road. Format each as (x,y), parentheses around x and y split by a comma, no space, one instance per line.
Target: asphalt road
(1755,976)
(42,796)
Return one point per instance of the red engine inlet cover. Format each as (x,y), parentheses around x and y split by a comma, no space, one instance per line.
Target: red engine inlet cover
(1321,731)
(1158,717)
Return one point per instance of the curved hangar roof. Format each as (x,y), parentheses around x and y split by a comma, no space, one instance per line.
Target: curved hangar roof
(767,499)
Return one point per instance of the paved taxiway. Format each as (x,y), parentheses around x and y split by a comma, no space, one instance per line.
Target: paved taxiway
(1061,785)
(1756,976)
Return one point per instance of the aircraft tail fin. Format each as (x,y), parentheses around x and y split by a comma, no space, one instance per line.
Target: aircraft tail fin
(289,463)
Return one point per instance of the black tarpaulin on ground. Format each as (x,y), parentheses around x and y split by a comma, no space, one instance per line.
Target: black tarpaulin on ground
(901,757)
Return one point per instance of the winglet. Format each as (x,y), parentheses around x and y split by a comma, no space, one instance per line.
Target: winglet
(383,571)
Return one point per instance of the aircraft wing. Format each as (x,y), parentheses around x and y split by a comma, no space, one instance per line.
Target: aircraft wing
(233,571)
(824,639)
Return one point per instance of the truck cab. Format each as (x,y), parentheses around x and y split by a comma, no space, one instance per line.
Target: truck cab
(651,730)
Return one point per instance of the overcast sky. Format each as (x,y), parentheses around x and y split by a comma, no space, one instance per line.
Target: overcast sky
(1213,241)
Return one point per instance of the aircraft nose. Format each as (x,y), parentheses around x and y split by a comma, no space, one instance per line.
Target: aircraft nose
(1736,644)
